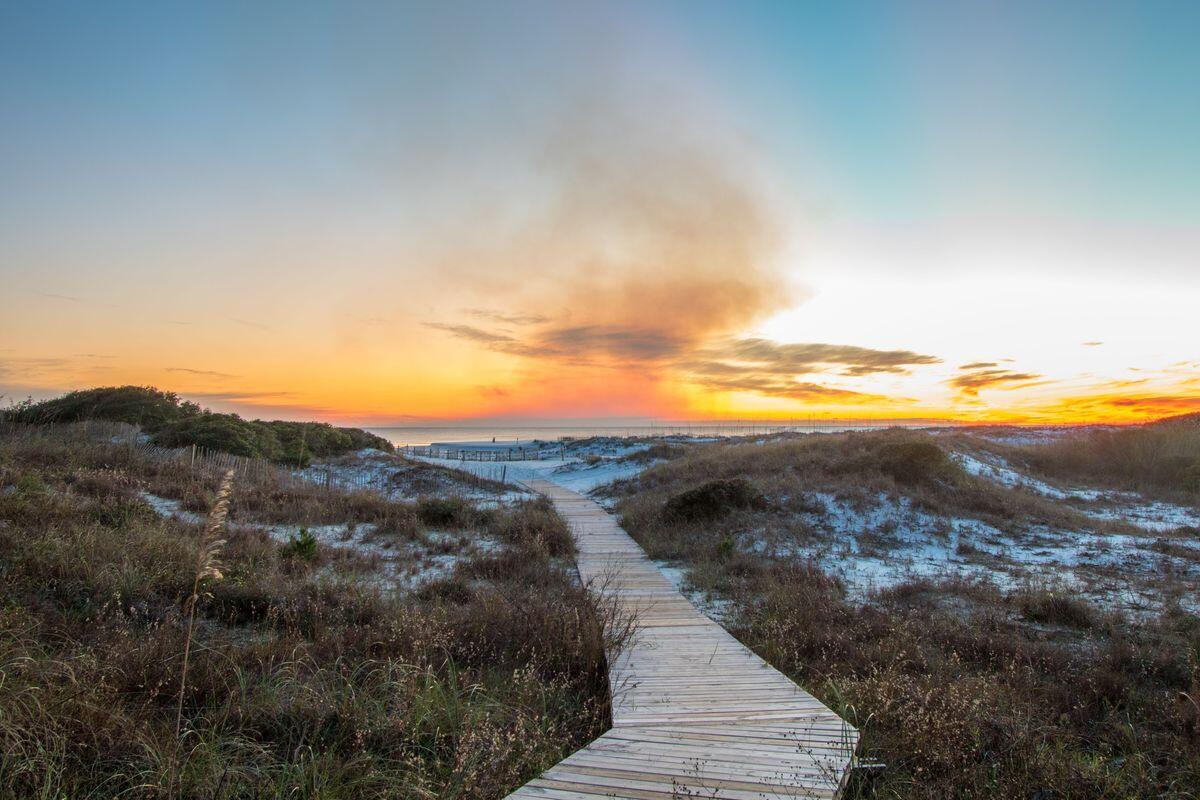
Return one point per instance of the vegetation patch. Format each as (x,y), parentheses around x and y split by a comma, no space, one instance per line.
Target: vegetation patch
(959,689)
(1055,607)
(913,461)
(711,500)
(302,545)
(300,681)
(453,512)
(1158,457)
(172,422)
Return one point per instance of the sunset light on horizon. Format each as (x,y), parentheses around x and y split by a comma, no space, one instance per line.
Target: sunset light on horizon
(401,214)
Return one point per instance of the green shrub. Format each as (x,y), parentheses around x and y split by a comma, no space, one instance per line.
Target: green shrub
(136,405)
(227,433)
(659,451)
(533,524)
(712,500)
(912,462)
(302,545)
(726,547)
(1055,608)
(445,511)
(177,423)
(1189,477)
(31,487)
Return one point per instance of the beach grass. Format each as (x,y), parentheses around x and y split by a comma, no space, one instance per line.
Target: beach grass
(304,677)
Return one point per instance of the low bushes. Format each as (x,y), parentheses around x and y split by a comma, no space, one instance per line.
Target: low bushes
(536,526)
(913,461)
(1055,608)
(711,500)
(446,512)
(176,423)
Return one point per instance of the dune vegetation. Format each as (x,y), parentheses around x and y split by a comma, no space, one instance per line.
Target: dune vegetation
(305,675)
(172,422)
(1160,458)
(961,688)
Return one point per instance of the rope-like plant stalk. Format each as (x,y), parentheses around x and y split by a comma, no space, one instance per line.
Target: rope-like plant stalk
(208,567)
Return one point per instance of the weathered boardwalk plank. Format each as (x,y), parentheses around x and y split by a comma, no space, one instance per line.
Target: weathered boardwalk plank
(695,713)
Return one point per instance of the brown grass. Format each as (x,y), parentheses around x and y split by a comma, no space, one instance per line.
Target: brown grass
(960,689)
(1161,459)
(304,678)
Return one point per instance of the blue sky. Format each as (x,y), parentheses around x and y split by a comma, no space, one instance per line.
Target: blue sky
(1093,102)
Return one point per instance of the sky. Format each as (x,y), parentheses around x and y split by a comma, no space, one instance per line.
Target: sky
(399,212)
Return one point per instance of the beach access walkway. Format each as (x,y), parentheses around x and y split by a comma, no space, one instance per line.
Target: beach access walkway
(695,713)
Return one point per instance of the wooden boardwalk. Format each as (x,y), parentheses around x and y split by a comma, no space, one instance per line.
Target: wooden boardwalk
(695,713)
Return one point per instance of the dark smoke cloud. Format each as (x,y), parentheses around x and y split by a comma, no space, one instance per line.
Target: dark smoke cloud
(643,226)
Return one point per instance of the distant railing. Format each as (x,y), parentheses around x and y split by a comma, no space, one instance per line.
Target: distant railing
(538,453)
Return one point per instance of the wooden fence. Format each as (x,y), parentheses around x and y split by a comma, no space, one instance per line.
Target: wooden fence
(474,454)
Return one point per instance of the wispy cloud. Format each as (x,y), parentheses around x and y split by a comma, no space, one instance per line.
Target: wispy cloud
(774,369)
(1109,403)
(504,318)
(1092,344)
(1165,402)
(493,391)
(793,390)
(799,358)
(621,343)
(500,342)
(205,372)
(29,366)
(249,323)
(242,396)
(979,365)
(971,383)
(56,371)
(54,296)
(264,404)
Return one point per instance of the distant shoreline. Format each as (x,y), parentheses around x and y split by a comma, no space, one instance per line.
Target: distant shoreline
(512,435)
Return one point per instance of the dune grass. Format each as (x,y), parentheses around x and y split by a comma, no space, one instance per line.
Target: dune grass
(784,475)
(304,678)
(960,689)
(1162,458)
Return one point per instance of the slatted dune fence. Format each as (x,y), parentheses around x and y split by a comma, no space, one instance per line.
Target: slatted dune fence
(695,713)
(538,453)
